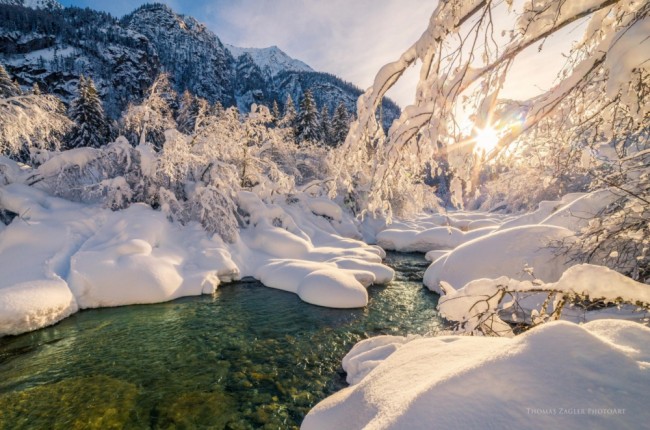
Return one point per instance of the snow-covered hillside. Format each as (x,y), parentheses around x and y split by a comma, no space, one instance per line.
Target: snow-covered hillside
(124,57)
(34,4)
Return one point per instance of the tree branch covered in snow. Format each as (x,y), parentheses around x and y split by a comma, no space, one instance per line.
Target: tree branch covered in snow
(493,306)
(29,123)
(463,67)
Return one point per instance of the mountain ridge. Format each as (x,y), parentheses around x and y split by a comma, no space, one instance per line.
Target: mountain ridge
(53,46)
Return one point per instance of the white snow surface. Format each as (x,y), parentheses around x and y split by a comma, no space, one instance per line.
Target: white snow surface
(58,256)
(437,231)
(272,59)
(480,296)
(558,375)
(509,253)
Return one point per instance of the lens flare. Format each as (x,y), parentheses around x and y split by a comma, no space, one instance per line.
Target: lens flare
(486,139)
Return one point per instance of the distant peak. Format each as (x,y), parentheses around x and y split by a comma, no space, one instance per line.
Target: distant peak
(272,58)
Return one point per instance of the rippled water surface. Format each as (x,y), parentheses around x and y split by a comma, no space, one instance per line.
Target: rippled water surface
(247,357)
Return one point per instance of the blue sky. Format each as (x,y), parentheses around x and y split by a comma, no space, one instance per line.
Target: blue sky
(349,38)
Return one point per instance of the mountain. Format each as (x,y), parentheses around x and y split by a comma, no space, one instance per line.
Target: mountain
(52,46)
(34,4)
(192,54)
(271,60)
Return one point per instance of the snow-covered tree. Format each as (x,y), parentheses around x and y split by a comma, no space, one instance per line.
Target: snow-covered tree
(28,122)
(8,88)
(86,111)
(340,124)
(308,126)
(148,121)
(275,112)
(592,122)
(191,112)
(290,114)
(186,113)
(460,74)
(326,126)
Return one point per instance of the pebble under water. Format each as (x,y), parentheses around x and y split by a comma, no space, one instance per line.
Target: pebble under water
(246,357)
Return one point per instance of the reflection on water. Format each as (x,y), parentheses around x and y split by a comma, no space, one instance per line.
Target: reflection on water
(247,357)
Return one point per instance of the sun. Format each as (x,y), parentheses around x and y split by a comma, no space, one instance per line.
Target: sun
(486,139)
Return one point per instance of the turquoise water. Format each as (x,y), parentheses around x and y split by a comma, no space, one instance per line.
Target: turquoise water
(247,357)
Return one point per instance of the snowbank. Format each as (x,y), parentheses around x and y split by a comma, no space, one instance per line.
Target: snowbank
(504,253)
(559,375)
(479,305)
(436,232)
(59,256)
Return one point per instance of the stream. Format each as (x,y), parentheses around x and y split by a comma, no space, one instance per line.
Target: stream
(246,357)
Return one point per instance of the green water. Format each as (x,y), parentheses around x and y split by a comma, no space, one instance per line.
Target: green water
(247,357)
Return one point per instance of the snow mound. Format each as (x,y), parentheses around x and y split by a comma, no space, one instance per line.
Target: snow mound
(504,253)
(137,256)
(435,238)
(537,380)
(334,289)
(577,214)
(545,209)
(32,305)
(434,254)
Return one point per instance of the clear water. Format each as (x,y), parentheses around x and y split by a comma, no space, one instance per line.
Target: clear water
(247,357)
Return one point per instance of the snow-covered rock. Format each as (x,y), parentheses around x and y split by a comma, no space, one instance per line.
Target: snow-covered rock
(558,375)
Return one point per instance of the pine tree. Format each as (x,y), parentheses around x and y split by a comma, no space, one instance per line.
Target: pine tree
(217,109)
(340,124)
(308,123)
(7,87)
(289,118)
(86,111)
(275,112)
(326,125)
(187,113)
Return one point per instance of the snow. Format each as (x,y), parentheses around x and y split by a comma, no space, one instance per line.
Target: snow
(577,214)
(436,232)
(480,300)
(31,305)
(434,254)
(59,256)
(503,253)
(336,289)
(272,59)
(34,4)
(73,157)
(558,375)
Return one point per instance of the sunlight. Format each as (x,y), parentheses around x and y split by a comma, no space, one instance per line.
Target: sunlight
(486,139)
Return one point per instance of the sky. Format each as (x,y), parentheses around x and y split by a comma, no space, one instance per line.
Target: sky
(349,38)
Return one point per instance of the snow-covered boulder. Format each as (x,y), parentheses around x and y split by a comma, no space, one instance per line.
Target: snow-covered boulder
(558,375)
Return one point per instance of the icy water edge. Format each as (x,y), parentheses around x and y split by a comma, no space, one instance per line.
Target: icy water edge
(247,357)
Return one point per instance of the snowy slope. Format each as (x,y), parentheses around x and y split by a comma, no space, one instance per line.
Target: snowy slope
(271,60)
(34,4)
(558,375)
